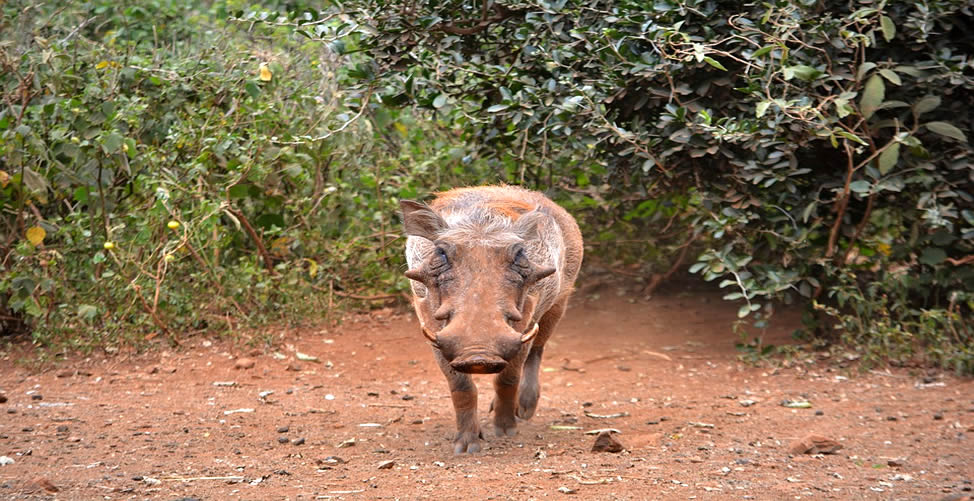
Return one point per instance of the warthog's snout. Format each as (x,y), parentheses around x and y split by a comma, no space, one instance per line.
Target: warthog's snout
(479,364)
(527,336)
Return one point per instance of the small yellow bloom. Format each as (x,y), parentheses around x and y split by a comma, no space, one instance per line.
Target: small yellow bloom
(883,248)
(265,72)
(35,235)
(173,225)
(108,245)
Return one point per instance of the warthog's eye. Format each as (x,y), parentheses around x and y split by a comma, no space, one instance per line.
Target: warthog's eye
(521,264)
(440,266)
(439,262)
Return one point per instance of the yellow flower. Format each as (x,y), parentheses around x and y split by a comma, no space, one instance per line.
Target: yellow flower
(883,248)
(35,235)
(265,72)
(108,245)
(173,225)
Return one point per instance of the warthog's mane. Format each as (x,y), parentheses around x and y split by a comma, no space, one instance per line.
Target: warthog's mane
(480,226)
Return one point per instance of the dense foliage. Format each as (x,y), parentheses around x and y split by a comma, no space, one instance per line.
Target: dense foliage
(147,189)
(814,150)
(797,151)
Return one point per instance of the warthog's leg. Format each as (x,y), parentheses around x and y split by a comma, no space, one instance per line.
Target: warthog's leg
(463,391)
(529,390)
(504,405)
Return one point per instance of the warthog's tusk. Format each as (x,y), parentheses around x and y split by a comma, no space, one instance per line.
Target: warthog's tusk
(429,335)
(527,336)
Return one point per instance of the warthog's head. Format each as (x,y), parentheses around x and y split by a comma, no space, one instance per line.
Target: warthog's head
(476,274)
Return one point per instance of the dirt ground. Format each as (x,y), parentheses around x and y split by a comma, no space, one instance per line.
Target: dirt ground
(372,419)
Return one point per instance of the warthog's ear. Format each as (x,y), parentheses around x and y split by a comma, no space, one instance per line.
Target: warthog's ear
(526,226)
(420,221)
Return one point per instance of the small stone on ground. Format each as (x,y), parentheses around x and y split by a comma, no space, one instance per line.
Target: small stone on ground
(814,444)
(605,442)
(244,363)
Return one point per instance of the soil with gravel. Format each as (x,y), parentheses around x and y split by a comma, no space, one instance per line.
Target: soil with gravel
(371,418)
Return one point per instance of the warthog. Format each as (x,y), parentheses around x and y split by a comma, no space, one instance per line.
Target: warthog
(492,268)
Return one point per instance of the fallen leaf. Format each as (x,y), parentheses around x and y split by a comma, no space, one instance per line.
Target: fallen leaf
(306,358)
(658,355)
(606,416)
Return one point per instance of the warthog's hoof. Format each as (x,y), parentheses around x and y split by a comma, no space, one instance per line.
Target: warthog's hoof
(505,430)
(467,442)
(527,401)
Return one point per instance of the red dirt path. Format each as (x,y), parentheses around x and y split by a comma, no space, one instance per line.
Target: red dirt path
(156,427)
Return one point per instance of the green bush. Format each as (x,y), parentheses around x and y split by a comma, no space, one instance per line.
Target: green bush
(154,182)
(796,151)
(800,147)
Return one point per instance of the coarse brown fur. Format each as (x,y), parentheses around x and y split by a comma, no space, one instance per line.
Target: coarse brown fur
(492,269)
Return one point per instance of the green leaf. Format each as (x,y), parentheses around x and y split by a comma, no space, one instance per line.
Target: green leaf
(111,143)
(36,183)
(81,194)
(762,108)
(87,311)
(130,145)
(239,191)
(913,71)
(802,72)
(888,27)
(888,158)
(863,69)
(252,89)
(933,256)
(851,137)
(926,104)
(842,107)
(497,107)
(743,311)
(891,76)
(946,129)
(861,186)
(762,51)
(713,62)
(872,96)
(681,136)
(440,101)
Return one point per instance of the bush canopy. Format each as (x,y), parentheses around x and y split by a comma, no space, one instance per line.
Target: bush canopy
(793,151)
